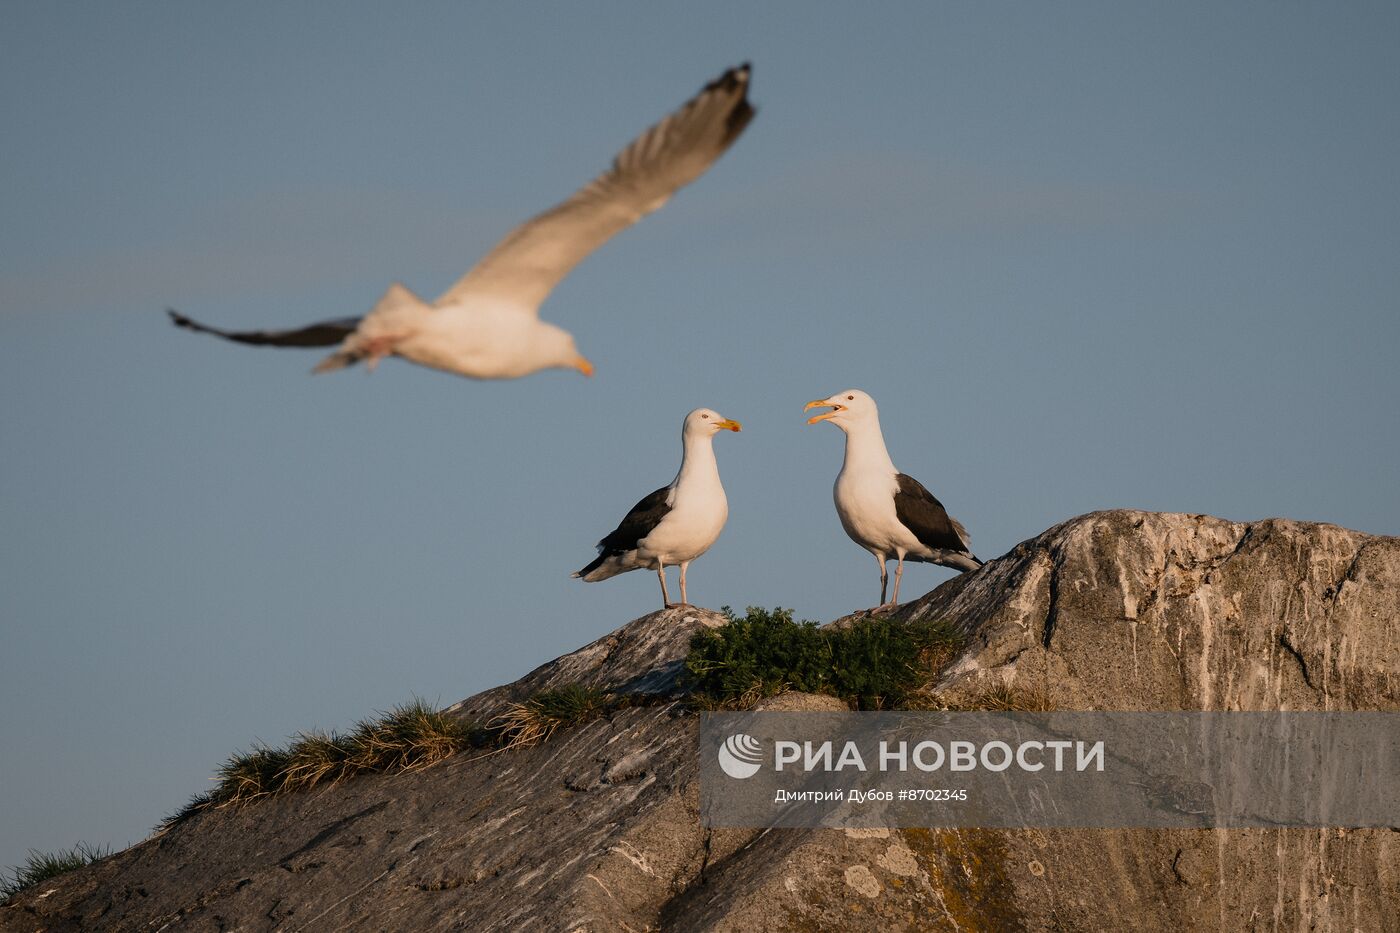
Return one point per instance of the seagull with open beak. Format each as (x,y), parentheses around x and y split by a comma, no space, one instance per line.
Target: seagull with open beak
(883,510)
(676,523)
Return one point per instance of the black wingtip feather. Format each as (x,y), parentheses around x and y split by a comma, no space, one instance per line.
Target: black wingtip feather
(743,112)
(593,565)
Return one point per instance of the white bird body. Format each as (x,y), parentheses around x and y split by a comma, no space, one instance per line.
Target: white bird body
(864,494)
(487,326)
(677,523)
(699,510)
(865,505)
(886,512)
(487,341)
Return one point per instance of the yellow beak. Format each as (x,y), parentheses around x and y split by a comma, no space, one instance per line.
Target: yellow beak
(821,403)
(583,366)
(729,425)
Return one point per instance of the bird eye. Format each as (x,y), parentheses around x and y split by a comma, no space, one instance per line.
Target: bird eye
(850,398)
(706,417)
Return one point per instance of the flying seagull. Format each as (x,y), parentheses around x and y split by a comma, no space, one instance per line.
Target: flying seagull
(487,325)
(885,511)
(676,523)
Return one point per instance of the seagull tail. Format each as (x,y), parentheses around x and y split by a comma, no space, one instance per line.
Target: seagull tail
(961,560)
(338,360)
(605,565)
(397,314)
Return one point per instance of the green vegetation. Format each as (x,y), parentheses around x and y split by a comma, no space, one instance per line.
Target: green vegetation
(874,663)
(41,866)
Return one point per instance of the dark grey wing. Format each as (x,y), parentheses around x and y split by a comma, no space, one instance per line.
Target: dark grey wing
(645,516)
(918,510)
(321,334)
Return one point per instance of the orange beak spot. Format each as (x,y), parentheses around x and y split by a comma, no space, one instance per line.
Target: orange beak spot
(583,366)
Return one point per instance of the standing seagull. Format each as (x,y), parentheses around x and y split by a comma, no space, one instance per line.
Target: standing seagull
(487,325)
(882,509)
(676,523)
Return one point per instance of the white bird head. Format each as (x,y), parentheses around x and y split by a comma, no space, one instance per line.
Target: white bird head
(706,422)
(847,408)
(555,348)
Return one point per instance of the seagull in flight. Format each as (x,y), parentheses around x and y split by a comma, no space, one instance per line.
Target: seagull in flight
(887,512)
(487,325)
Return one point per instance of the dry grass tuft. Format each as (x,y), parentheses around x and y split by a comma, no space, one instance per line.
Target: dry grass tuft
(41,866)
(317,758)
(705,703)
(250,775)
(408,738)
(993,698)
(536,719)
(405,739)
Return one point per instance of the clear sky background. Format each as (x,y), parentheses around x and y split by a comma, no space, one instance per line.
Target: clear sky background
(1085,256)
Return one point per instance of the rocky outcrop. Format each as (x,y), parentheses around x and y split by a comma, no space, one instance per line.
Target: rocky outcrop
(1150,611)
(598,828)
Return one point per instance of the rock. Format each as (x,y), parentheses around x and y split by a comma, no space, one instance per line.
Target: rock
(645,656)
(598,828)
(1149,611)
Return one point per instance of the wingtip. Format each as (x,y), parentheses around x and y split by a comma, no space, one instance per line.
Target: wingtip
(735,77)
(743,110)
(178,319)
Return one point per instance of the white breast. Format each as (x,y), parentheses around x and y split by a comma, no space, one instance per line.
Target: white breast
(865,504)
(697,517)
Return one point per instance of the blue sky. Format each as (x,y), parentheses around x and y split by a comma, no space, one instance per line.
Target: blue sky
(1085,256)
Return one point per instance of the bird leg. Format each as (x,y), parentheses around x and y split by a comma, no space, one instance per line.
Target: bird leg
(898,572)
(884,577)
(684,600)
(661,575)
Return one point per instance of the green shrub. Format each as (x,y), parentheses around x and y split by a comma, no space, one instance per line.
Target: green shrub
(41,866)
(873,663)
(764,652)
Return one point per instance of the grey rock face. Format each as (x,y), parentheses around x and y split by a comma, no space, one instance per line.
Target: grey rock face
(1150,611)
(598,828)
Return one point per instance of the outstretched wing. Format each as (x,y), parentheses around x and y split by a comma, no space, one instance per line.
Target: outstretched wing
(918,510)
(645,516)
(525,266)
(322,334)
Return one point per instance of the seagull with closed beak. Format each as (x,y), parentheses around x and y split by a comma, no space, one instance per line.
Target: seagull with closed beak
(487,326)
(676,523)
(887,512)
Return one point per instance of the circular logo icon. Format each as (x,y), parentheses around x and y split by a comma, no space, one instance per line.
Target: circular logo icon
(740,756)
